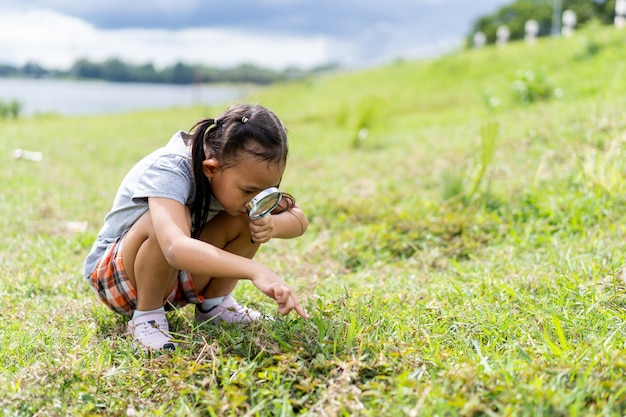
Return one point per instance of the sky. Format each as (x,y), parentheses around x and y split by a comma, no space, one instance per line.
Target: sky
(269,33)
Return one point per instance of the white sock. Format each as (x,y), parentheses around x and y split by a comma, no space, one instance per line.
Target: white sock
(210,303)
(139,313)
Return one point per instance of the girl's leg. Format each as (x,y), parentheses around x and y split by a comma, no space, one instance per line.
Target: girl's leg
(146,266)
(153,278)
(231,233)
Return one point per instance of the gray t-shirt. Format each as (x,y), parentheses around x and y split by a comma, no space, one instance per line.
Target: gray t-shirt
(165,173)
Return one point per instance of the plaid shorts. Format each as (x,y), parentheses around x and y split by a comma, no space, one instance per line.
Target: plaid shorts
(114,289)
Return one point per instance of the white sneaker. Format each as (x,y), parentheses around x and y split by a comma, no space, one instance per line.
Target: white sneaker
(151,332)
(228,311)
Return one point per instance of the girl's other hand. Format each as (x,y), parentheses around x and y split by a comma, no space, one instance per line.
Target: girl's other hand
(262,230)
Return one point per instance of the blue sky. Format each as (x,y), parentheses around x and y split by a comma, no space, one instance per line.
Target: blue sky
(270,33)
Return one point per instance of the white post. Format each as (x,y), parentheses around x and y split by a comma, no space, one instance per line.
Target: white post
(502,35)
(532,30)
(620,14)
(480,39)
(569,21)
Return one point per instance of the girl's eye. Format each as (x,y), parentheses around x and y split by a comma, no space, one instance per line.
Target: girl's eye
(248,192)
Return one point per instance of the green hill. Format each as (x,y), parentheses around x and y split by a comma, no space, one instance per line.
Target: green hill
(464,257)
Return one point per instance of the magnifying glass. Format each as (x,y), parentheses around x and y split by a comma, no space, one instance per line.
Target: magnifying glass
(264,202)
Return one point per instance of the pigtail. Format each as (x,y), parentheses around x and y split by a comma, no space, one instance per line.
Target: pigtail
(202,202)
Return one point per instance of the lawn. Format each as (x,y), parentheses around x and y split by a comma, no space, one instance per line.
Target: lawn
(464,257)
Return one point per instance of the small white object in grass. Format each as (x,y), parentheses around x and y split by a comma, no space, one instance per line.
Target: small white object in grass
(27,155)
(76,227)
(362,134)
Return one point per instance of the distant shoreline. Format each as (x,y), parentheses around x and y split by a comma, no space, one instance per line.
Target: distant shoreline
(92,97)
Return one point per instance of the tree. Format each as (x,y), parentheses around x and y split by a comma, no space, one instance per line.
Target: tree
(8,71)
(32,69)
(114,69)
(517,13)
(84,68)
(182,74)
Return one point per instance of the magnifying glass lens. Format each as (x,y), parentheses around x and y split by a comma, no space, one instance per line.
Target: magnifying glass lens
(264,203)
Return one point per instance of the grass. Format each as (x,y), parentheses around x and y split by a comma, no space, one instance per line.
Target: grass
(465,254)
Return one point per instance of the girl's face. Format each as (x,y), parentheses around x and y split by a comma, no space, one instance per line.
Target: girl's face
(236,185)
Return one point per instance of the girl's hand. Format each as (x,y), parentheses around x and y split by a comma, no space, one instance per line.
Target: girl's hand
(274,287)
(262,230)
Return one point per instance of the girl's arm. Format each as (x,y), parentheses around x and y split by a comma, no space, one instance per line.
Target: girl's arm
(171,224)
(172,228)
(290,223)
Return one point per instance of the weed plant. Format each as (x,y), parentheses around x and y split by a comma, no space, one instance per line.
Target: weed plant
(462,259)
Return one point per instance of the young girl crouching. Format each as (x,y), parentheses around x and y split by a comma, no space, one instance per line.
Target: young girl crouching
(179,230)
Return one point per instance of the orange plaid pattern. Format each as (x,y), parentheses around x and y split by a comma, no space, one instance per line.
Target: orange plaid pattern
(114,289)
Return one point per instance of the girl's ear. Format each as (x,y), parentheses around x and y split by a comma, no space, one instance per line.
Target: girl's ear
(210,167)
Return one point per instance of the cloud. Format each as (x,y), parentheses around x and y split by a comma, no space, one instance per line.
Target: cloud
(270,33)
(57,40)
(331,17)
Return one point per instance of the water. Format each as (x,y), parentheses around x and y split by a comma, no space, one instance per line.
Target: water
(74,98)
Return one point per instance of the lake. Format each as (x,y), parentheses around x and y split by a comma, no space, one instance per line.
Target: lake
(74,98)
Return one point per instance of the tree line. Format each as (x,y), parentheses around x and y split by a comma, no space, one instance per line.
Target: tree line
(116,70)
(516,14)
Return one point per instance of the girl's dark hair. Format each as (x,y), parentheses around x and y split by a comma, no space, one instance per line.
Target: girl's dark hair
(243,129)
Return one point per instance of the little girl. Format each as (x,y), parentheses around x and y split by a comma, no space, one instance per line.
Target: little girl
(179,230)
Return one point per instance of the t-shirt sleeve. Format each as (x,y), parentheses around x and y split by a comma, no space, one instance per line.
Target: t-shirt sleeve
(167,177)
